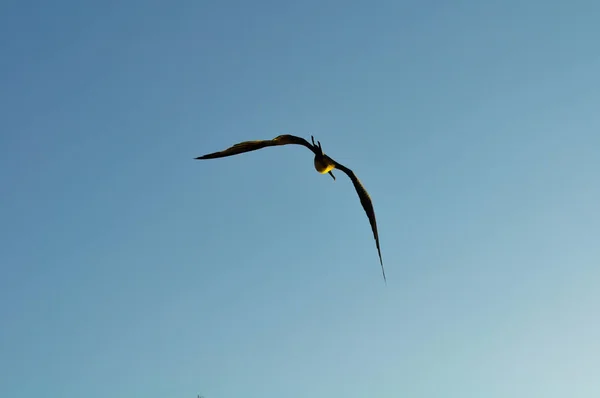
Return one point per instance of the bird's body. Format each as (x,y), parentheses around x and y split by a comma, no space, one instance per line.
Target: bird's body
(323,165)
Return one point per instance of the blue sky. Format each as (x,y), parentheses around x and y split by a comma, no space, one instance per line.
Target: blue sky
(128,269)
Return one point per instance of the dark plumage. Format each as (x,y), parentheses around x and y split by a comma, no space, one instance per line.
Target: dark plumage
(323,164)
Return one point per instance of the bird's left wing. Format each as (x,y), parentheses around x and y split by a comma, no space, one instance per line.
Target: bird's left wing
(367,205)
(248,146)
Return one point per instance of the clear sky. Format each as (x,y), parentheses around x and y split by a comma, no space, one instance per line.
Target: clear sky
(128,269)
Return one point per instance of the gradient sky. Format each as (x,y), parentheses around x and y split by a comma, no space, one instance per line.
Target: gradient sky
(128,269)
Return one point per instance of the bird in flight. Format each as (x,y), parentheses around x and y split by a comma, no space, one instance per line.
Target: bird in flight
(323,164)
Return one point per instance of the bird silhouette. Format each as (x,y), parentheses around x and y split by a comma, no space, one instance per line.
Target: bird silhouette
(323,164)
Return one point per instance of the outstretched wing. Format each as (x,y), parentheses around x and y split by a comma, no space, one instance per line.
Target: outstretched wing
(248,146)
(367,205)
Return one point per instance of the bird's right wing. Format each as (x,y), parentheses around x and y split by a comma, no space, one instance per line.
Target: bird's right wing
(367,205)
(248,146)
